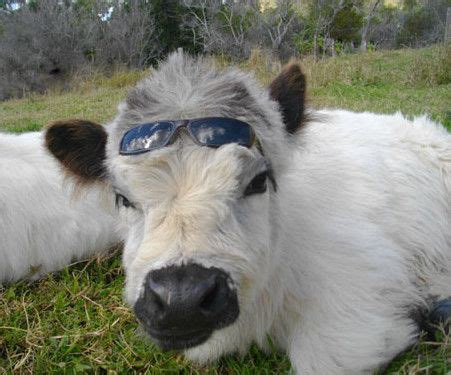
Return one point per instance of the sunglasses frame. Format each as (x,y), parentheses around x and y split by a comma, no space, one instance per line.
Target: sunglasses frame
(176,126)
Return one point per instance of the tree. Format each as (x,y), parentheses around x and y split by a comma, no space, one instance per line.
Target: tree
(347,22)
(168,16)
(322,14)
(45,40)
(222,27)
(423,22)
(370,10)
(278,25)
(129,36)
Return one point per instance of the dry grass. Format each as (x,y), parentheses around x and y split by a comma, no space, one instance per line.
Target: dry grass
(117,79)
(426,67)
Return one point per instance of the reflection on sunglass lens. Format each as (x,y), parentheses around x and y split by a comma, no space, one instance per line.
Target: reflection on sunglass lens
(146,137)
(217,132)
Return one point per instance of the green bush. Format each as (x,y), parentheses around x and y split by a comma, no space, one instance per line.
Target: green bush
(347,24)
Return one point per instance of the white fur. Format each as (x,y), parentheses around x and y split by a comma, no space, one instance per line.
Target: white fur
(369,210)
(42,229)
(362,238)
(332,265)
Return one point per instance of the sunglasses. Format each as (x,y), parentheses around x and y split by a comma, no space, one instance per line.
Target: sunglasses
(211,132)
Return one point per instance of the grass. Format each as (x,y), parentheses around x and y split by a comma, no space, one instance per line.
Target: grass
(75,321)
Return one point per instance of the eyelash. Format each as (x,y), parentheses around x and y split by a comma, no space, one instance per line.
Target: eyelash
(258,185)
(123,201)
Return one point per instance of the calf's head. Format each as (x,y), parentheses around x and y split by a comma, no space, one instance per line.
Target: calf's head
(200,223)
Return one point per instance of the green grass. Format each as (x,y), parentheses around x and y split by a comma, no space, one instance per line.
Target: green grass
(76,321)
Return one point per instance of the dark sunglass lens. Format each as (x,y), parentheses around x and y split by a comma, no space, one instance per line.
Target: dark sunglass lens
(146,137)
(216,132)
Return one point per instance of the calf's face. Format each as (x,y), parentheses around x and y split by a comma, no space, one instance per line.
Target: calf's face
(199,222)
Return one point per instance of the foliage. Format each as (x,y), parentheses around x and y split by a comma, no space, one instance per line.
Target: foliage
(223,28)
(385,27)
(422,24)
(347,24)
(168,16)
(44,42)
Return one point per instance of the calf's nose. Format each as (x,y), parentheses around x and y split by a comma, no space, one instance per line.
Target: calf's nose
(179,301)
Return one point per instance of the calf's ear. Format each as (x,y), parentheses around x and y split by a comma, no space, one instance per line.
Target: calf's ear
(80,147)
(288,89)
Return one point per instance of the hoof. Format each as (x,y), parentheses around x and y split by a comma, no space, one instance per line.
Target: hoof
(441,312)
(439,315)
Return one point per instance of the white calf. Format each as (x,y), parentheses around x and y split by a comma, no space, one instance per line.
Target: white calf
(43,229)
(328,231)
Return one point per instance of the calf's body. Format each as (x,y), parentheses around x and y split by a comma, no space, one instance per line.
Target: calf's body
(366,239)
(330,233)
(43,227)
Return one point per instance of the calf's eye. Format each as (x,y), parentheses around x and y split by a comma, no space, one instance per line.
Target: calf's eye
(122,201)
(258,184)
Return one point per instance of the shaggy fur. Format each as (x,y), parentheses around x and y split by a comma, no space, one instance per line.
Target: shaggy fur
(42,229)
(333,265)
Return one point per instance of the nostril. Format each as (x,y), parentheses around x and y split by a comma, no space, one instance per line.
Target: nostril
(157,302)
(210,298)
(215,299)
(155,296)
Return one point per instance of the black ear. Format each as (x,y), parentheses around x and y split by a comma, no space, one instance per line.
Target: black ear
(80,147)
(288,89)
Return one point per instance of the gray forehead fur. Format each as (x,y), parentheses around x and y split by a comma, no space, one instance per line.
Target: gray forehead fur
(184,87)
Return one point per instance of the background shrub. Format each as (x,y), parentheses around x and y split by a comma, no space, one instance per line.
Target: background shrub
(44,42)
